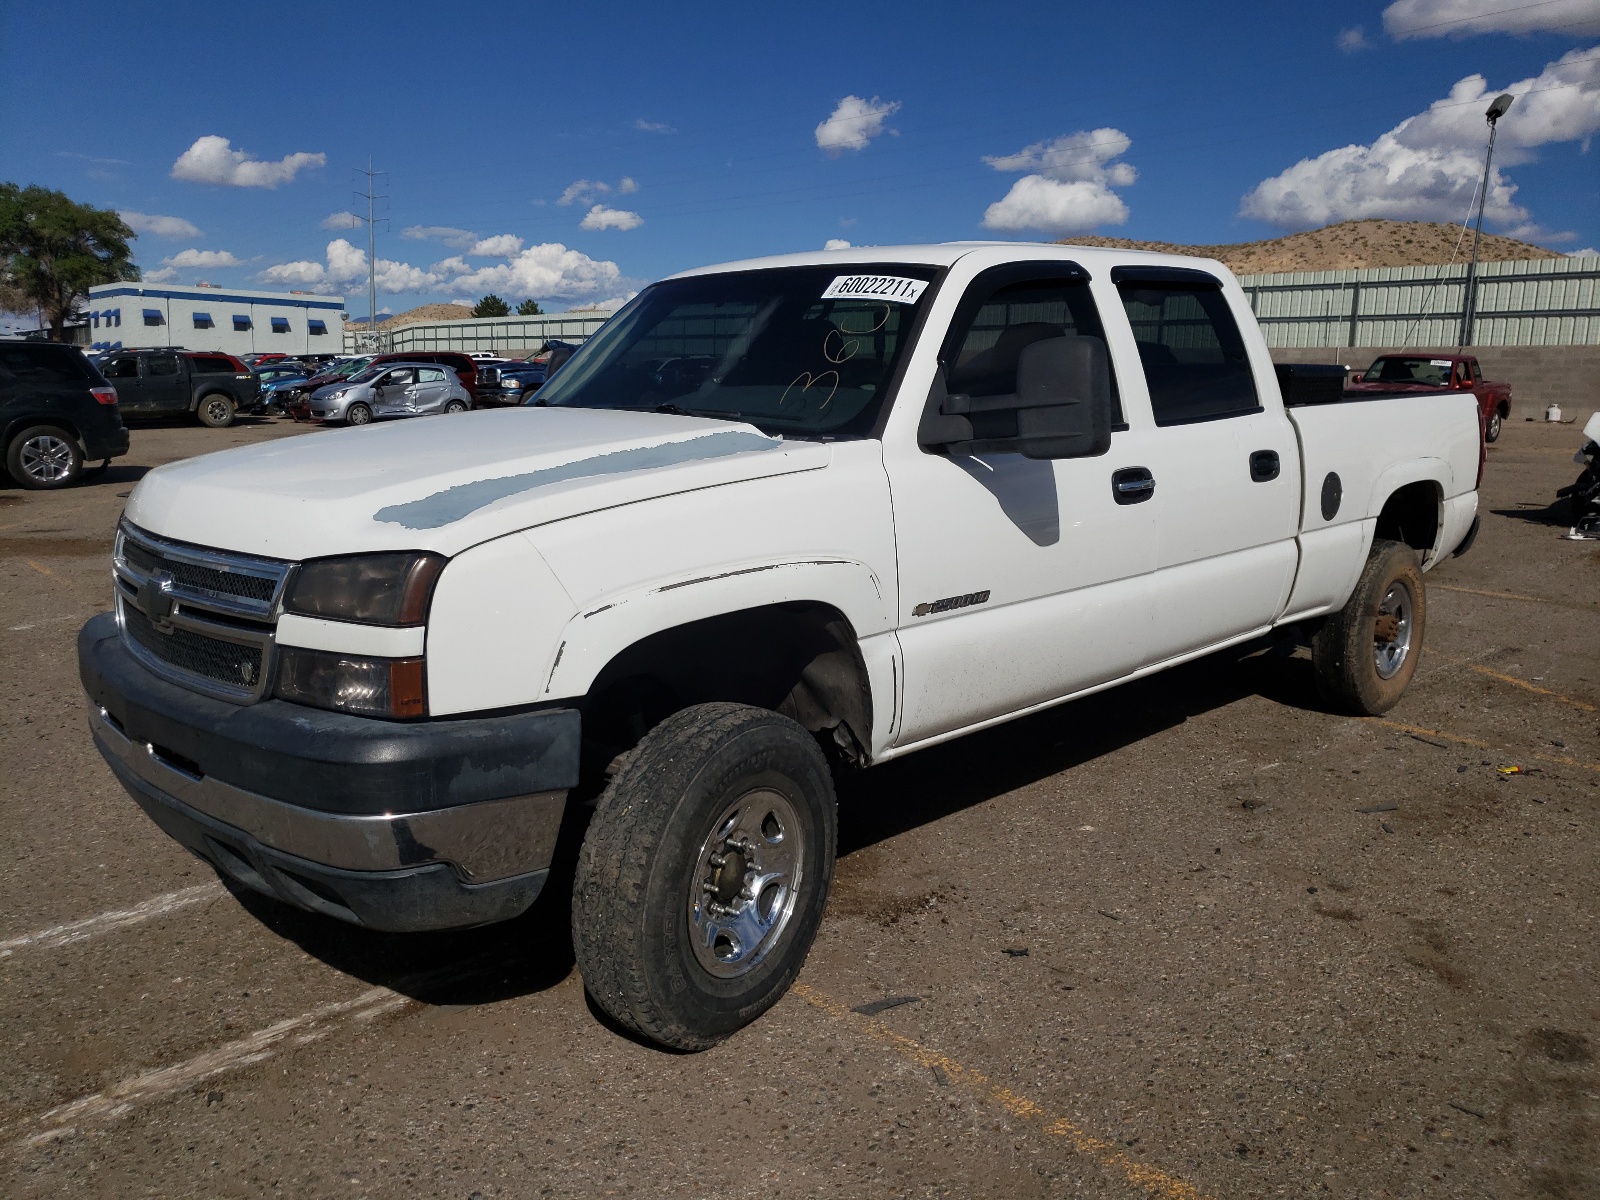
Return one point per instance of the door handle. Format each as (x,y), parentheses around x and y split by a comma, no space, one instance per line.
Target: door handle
(1264,466)
(1132,485)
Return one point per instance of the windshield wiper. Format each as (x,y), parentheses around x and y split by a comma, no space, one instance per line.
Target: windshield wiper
(677,410)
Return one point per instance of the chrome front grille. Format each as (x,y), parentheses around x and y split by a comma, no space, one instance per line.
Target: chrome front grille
(202,618)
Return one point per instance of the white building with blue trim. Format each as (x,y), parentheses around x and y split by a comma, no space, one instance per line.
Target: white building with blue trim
(145,316)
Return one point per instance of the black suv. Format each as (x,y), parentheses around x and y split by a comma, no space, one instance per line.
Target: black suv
(56,411)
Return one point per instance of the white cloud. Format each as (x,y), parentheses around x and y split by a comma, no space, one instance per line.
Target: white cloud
(601,217)
(1352,39)
(583,191)
(1068,188)
(652,126)
(854,123)
(1035,202)
(213,160)
(836,244)
(1586,252)
(1428,166)
(548,271)
(1463,18)
(159,226)
(164,275)
(502,245)
(627,186)
(457,239)
(203,258)
(341,220)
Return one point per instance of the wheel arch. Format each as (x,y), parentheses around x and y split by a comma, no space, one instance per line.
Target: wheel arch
(791,637)
(1412,512)
(17,424)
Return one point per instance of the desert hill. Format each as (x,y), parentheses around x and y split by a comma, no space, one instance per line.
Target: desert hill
(428,312)
(1350,244)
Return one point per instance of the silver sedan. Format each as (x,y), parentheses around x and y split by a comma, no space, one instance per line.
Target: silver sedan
(392,390)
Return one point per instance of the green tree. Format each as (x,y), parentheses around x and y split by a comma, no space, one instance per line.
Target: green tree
(53,250)
(529,308)
(491,306)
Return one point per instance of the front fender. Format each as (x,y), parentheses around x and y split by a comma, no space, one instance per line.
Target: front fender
(594,637)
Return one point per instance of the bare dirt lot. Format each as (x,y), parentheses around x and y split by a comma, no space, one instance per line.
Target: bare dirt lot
(1192,937)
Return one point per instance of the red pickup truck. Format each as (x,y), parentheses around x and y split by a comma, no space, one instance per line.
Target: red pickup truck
(1390,373)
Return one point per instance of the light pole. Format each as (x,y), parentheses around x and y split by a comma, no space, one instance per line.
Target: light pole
(1496,110)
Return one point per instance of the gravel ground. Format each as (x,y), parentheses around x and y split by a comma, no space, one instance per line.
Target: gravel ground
(1191,937)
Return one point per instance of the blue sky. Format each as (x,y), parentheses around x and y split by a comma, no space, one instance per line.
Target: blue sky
(681,136)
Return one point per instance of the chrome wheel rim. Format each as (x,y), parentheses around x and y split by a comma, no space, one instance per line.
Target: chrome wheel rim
(1494,427)
(47,458)
(1391,631)
(217,410)
(745,883)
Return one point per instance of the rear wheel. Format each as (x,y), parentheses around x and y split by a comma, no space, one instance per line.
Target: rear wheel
(215,411)
(1491,427)
(1366,653)
(358,414)
(456,406)
(44,457)
(704,873)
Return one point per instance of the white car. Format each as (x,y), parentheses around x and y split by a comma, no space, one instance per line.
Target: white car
(777,519)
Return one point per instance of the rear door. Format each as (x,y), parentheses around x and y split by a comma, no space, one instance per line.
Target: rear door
(166,383)
(1224,459)
(392,394)
(431,389)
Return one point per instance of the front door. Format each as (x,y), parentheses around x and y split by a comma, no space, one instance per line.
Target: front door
(165,386)
(123,372)
(1226,467)
(392,395)
(1021,580)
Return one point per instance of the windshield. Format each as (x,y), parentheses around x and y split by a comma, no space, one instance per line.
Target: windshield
(1432,371)
(367,374)
(796,350)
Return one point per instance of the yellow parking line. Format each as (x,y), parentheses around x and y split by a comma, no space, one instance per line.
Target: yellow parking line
(1515,681)
(1446,587)
(1466,741)
(1152,1180)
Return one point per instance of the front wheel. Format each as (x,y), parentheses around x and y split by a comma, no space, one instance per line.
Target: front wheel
(215,411)
(358,414)
(704,873)
(1491,427)
(1366,653)
(44,457)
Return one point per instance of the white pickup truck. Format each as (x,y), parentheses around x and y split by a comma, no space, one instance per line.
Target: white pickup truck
(777,519)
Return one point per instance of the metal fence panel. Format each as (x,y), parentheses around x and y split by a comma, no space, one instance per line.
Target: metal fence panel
(1527,302)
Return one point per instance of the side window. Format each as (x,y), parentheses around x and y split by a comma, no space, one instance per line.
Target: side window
(162,364)
(982,358)
(431,375)
(1477,373)
(1189,344)
(122,368)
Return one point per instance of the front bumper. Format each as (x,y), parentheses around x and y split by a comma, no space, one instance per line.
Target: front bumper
(400,827)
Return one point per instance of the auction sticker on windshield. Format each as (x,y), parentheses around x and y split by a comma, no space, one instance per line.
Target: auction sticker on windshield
(875,287)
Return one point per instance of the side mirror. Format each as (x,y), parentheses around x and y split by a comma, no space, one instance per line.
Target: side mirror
(1061,408)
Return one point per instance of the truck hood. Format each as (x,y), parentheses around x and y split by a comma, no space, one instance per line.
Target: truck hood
(447,483)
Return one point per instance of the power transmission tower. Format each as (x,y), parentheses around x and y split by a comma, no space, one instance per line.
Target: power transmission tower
(371,220)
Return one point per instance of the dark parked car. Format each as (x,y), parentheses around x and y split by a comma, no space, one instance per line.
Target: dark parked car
(159,383)
(56,412)
(509,382)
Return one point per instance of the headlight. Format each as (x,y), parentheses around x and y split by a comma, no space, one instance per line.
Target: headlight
(376,687)
(372,589)
(511,383)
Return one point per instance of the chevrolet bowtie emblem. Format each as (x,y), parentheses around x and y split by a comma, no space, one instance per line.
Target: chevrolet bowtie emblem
(155,598)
